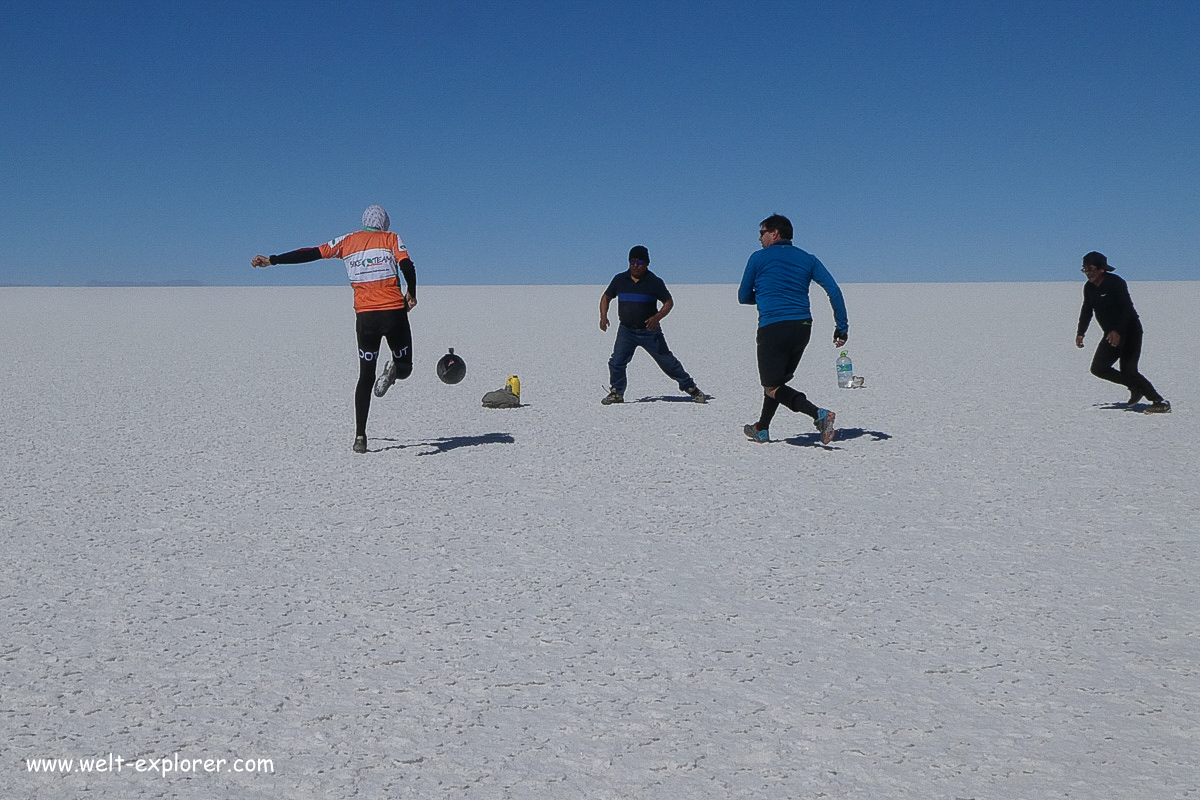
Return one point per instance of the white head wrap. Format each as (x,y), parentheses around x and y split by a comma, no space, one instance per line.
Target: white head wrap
(376,217)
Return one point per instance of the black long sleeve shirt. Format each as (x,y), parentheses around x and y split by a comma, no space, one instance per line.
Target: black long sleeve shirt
(1111,304)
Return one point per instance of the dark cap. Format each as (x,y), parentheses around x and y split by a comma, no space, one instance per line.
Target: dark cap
(640,253)
(1094,259)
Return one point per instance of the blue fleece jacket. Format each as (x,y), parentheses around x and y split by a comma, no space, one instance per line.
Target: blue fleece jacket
(777,280)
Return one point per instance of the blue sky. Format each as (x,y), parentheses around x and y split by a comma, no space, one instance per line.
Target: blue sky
(536,142)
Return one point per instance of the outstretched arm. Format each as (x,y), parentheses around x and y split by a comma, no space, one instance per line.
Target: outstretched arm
(301,256)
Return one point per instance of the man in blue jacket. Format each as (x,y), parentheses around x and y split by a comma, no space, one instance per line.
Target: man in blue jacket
(777,278)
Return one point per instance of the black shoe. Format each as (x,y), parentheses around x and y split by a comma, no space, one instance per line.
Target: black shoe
(1159,407)
(613,397)
(697,395)
(360,444)
(1135,398)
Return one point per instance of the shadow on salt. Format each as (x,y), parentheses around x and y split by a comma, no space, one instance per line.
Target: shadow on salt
(843,435)
(446,444)
(668,398)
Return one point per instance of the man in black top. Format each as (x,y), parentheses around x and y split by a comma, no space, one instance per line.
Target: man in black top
(639,291)
(1107,297)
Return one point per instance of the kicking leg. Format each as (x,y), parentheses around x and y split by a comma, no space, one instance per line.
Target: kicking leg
(796,401)
(399,339)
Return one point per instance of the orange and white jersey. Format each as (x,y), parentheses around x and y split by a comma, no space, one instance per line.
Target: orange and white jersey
(372,259)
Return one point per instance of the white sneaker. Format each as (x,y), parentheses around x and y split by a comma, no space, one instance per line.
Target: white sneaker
(385,381)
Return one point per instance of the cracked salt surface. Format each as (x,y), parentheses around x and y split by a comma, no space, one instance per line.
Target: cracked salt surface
(986,587)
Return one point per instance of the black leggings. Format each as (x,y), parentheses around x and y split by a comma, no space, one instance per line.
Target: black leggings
(1127,352)
(780,347)
(371,327)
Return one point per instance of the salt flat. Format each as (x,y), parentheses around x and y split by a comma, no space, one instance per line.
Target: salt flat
(986,587)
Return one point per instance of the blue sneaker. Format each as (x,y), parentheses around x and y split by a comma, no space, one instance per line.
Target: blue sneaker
(824,423)
(755,435)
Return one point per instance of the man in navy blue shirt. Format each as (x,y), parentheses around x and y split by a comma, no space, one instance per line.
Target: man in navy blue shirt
(776,280)
(638,293)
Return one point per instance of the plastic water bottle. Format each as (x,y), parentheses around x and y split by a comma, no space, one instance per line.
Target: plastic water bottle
(845,371)
(514,385)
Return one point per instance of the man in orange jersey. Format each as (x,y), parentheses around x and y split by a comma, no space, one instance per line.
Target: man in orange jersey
(374,258)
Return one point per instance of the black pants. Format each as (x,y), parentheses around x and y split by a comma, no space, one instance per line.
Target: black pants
(780,347)
(1127,353)
(371,327)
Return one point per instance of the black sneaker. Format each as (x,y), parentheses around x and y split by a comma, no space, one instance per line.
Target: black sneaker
(697,395)
(360,444)
(613,397)
(1135,398)
(1159,407)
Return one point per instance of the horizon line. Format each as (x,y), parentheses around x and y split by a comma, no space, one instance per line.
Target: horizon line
(196,284)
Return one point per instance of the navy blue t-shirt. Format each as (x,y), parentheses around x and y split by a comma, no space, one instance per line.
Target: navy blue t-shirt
(637,301)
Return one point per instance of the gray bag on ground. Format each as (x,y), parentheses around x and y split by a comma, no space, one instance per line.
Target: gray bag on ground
(501,398)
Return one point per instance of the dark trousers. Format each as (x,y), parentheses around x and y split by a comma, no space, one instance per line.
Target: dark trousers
(780,347)
(1127,353)
(371,327)
(654,343)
